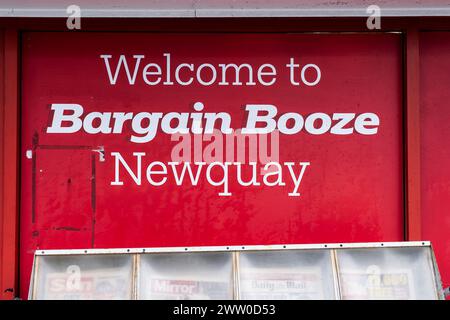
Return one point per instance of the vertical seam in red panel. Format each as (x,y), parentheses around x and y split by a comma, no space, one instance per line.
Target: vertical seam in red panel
(2,107)
(9,272)
(412,127)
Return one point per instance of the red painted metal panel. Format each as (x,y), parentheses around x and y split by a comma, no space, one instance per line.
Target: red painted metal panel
(10,167)
(351,192)
(66,214)
(435,154)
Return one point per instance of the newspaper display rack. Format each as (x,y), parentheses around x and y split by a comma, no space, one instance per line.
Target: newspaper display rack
(389,270)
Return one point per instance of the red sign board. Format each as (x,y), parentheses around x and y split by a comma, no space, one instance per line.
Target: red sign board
(135,139)
(435,173)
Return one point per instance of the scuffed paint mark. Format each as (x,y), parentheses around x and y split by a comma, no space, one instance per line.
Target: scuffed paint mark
(29,154)
(67,228)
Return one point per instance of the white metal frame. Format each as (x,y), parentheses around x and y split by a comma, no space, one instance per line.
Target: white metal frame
(24,10)
(236,248)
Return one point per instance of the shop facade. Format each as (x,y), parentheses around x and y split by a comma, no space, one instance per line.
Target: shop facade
(245,126)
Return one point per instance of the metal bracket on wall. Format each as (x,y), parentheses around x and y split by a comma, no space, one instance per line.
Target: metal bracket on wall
(447,292)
